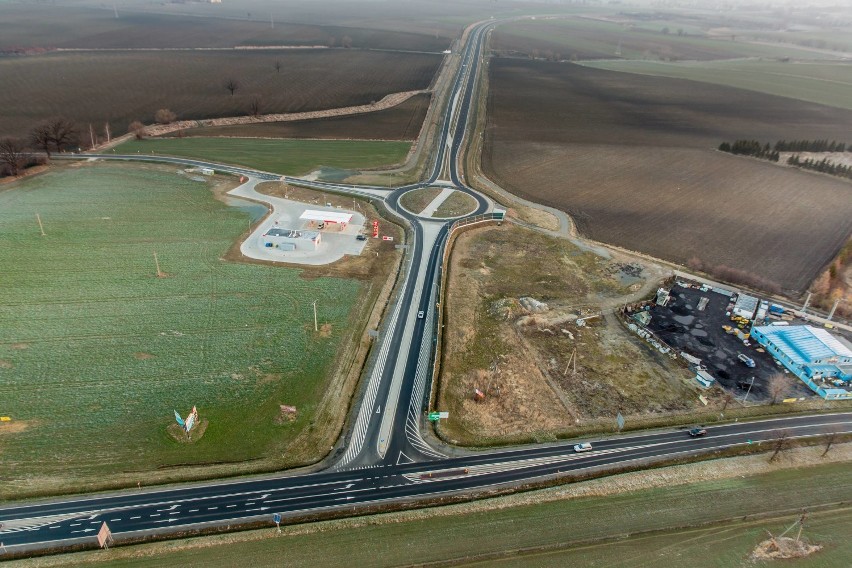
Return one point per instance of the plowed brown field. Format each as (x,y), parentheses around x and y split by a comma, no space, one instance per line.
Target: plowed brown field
(632,159)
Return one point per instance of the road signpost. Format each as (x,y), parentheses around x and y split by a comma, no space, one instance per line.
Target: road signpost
(434,416)
(276,518)
(620,421)
(104,536)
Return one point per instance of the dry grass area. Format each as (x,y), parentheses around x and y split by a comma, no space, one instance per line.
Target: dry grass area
(637,168)
(524,360)
(417,200)
(456,205)
(400,122)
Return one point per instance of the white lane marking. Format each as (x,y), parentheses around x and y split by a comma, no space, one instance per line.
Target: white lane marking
(193,511)
(115,520)
(230,506)
(134,518)
(212,508)
(319,495)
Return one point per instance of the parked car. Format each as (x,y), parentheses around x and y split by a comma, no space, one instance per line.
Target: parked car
(584,447)
(749,362)
(361,237)
(420,314)
(696,432)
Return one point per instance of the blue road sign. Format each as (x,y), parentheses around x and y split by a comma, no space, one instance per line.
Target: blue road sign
(276,518)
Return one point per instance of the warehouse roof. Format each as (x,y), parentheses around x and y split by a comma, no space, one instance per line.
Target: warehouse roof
(805,344)
(326,216)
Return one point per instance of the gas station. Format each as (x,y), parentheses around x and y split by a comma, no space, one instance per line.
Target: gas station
(322,219)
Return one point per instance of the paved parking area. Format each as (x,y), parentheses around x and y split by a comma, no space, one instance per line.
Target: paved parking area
(333,246)
(699,333)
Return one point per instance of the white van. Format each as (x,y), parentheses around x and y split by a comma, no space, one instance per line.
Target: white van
(584,447)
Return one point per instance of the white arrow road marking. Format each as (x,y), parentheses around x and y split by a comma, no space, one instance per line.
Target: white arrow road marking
(83,531)
(379,409)
(169,520)
(347,486)
(259,509)
(347,498)
(172,508)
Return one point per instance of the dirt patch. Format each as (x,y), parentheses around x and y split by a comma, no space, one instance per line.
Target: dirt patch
(783,548)
(15,426)
(287,414)
(541,372)
(4,364)
(325,330)
(142,356)
(178,435)
(644,174)
(20,346)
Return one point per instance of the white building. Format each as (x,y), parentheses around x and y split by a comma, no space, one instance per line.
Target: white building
(290,239)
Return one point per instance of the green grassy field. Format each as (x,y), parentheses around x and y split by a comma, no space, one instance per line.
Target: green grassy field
(828,84)
(96,351)
(292,157)
(549,533)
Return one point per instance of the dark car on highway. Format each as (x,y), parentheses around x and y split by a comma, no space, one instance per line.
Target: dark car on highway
(696,432)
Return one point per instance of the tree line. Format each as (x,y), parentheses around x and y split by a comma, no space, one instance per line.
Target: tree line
(773,153)
(824,166)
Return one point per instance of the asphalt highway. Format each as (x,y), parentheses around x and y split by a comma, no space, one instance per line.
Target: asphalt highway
(385,458)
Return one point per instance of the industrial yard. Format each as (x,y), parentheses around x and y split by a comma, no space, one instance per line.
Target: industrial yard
(714,330)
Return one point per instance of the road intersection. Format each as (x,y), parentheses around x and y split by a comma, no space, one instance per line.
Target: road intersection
(385,459)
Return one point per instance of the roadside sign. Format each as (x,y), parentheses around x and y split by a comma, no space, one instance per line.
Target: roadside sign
(104,536)
(374,333)
(434,416)
(5,418)
(620,421)
(443,415)
(276,518)
(386,238)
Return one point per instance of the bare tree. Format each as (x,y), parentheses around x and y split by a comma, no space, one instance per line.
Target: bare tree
(781,443)
(829,440)
(278,67)
(137,129)
(779,385)
(40,137)
(12,155)
(346,42)
(232,85)
(56,133)
(164,116)
(254,106)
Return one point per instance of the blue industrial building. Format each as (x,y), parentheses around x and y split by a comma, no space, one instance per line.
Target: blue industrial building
(822,361)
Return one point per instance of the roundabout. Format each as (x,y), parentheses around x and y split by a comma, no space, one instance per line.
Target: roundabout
(436,202)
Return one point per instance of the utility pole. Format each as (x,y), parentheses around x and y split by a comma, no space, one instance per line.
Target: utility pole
(316,327)
(40,226)
(106,131)
(807,301)
(157,264)
(92,135)
(748,391)
(834,307)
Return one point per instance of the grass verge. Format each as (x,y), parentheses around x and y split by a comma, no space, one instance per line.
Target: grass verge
(291,157)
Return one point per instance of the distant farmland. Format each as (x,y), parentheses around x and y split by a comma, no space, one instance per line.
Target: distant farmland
(120,87)
(632,159)
(30,25)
